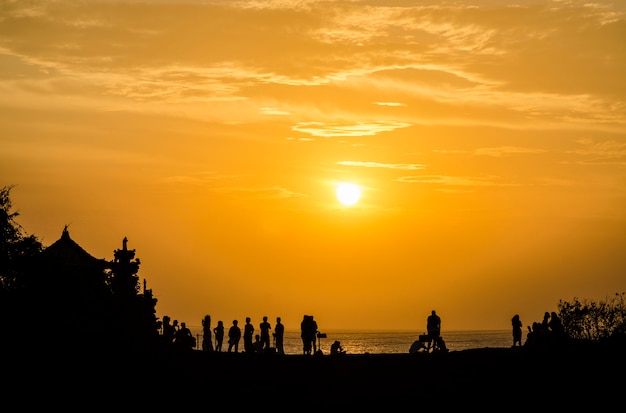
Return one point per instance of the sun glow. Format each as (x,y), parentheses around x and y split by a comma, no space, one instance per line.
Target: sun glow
(348,194)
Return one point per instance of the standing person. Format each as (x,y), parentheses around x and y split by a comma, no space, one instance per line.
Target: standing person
(433,328)
(308,330)
(219,335)
(304,335)
(279,333)
(234,335)
(207,341)
(248,332)
(517,330)
(313,334)
(545,323)
(557,332)
(265,327)
(168,331)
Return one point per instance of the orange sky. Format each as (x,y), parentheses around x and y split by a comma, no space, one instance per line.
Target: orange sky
(489,142)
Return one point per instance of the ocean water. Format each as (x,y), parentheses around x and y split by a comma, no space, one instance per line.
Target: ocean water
(386,342)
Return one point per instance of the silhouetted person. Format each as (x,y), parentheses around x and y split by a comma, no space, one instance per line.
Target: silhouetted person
(207,342)
(234,335)
(557,332)
(516,324)
(545,323)
(314,332)
(183,339)
(168,331)
(336,349)
(257,345)
(248,333)
(304,335)
(433,328)
(308,332)
(265,327)
(441,345)
(417,346)
(219,335)
(279,334)
(533,335)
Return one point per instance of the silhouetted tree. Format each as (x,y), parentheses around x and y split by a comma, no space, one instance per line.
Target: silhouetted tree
(18,252)
(594,320)
(17,249)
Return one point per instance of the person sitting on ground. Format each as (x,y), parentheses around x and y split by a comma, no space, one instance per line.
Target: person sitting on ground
(336,348)
(440,345)
(257,346)
(417,346)
(183,339)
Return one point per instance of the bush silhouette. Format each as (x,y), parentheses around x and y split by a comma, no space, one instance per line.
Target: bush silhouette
(594,320)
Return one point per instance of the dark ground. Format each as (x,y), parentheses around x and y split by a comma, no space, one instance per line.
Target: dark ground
(500,379)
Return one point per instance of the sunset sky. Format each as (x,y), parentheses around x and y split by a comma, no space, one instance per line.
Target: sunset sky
(488,138)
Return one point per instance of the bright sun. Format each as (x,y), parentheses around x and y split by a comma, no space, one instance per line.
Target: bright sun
(348,194)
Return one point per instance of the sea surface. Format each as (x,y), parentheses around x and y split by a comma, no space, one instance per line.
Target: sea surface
(385,342)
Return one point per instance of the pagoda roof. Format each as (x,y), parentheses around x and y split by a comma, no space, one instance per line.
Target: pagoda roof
(66,251)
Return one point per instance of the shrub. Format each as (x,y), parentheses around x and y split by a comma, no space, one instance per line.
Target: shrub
(594,321)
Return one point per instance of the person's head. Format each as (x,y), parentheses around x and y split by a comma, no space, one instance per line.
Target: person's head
(183,325)
(278,319)
(257,337)
(265,318)
(247,319)
(220,323)
(235,322)
(434,312)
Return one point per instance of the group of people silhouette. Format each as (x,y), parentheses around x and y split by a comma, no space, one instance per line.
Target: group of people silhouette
(432,340)
(177,336)
(180,337)
(547,332)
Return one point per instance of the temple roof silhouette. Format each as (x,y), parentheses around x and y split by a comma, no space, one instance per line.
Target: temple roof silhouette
(66,251)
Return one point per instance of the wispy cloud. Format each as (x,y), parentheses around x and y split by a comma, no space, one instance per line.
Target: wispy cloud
(272,192)
(389,104)
(452,64)
(506,150)
(273,111)
(328,130)
(496,152)
(456,181)
(401,166)
(601,153)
